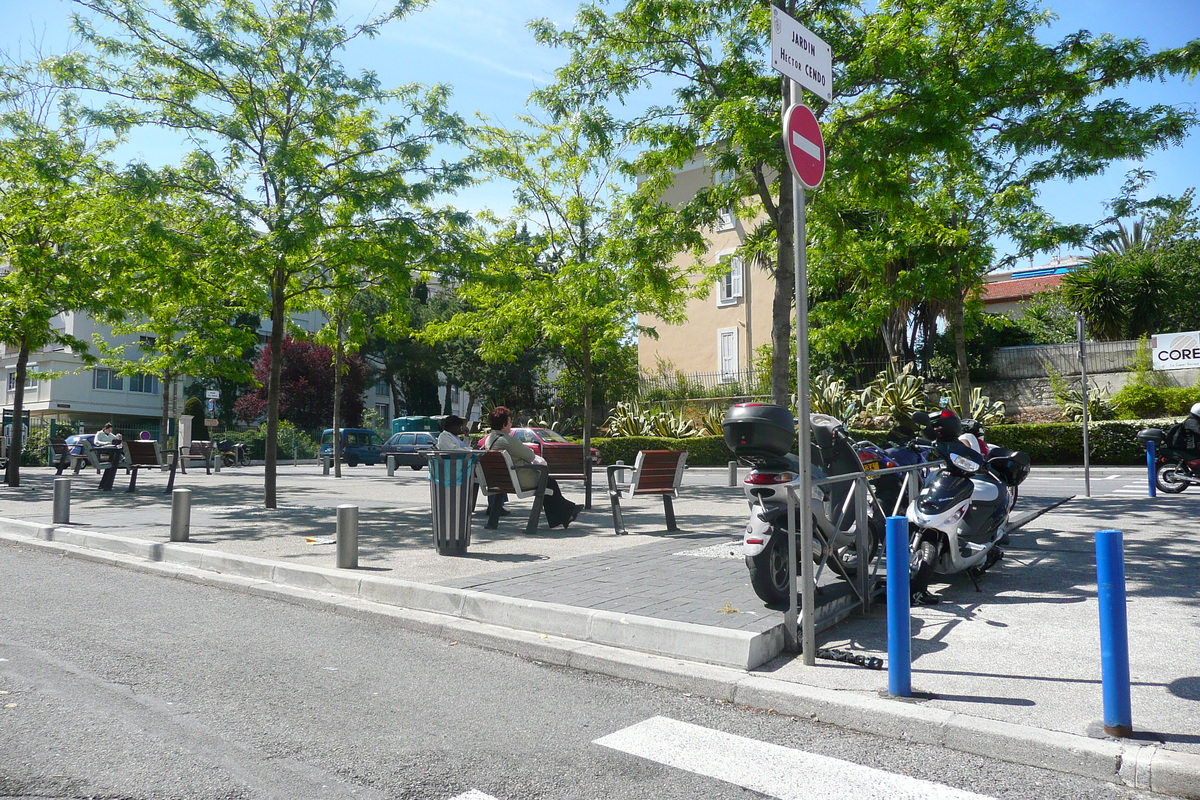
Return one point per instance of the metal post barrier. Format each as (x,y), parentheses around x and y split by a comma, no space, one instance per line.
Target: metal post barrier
(62,501)
(391,465)
(898,610)
(347,537)
(1114,633)
(1151,460)
(862,543)
(326,463)
(181,514)
(733,476)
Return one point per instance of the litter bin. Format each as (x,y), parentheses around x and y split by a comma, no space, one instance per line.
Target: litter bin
(451,478)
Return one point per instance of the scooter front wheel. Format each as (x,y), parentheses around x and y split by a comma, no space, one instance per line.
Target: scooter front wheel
(921,566)
(1167,479)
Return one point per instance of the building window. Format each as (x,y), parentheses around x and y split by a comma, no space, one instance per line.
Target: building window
(383,388)
(729,287)
(107,379)
(727,353)
(30,380)
(144,384)
(383,410)
(725,219)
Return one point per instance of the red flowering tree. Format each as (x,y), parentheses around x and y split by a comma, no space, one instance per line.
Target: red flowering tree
(306,387)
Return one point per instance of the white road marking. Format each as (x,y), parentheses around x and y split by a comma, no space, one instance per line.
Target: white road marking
(770,769)
(807,146)
(474,794)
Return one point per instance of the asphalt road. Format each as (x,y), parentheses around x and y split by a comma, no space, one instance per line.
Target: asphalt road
(125,685)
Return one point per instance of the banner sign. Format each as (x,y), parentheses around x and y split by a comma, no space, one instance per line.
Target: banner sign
(1176,350)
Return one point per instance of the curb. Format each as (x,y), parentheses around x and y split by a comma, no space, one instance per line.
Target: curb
(623,646)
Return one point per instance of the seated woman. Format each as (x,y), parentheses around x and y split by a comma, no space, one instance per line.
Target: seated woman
(559,510)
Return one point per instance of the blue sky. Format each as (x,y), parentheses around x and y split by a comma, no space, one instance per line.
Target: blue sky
(485,52)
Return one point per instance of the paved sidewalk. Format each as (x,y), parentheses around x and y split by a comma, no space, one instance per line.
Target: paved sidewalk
(1012,671)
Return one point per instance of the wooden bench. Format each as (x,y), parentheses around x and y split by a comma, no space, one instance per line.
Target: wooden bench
(86,456)
(59,455)
(198,450)
(656,472)
(496,474)
(146,454)
(567,462)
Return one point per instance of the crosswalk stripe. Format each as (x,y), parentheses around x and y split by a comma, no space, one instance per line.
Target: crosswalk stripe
(474,794)
(770,769)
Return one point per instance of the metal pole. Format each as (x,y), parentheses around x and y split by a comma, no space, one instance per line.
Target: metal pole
(62,501)
(862,542)
(791,617)
(803,402)
(1087,467)
(898,610)
(733,474)
(347,537)
(181,514)
(391,465)
(1114,634)
(1151,463)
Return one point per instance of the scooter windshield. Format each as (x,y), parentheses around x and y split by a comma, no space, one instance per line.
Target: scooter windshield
(943,492)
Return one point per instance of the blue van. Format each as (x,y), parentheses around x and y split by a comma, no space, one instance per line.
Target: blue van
(359,446)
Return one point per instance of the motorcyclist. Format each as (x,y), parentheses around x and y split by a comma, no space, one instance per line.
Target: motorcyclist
(1191,431)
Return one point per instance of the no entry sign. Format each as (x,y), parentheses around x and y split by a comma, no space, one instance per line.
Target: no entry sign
(804,145)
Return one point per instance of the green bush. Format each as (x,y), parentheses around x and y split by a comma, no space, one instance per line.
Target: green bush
(703,451)
(255,440)
(1139,401)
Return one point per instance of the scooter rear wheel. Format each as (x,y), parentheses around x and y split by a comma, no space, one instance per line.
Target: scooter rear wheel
(769,570)
(1167,479)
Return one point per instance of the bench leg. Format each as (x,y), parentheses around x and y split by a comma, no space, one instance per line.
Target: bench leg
(539,498)
(493,515)
(670,509)
(107,478)
(132,479)
(170,481)
(618,523)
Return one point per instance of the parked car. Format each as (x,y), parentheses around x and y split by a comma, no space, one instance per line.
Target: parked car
(409,448)
(537,438)
(359,446)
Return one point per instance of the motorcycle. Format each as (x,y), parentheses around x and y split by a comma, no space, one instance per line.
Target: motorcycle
(761,436)
(1175,468)
(233,454)
(962,511)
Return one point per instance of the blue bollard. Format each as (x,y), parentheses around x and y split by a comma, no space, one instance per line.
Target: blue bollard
(899,631)
(1114,634)
(1150,462)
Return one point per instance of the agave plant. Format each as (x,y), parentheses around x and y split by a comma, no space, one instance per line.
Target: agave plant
(895,394)
(830,396)
(983,408)
(710,418)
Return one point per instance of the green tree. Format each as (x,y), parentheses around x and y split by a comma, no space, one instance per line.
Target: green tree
(587,269)
(284,139)
(60,216)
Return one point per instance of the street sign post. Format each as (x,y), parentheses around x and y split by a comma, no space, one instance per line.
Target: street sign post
(801,55)
(805,145)
(212,394)
(806,60)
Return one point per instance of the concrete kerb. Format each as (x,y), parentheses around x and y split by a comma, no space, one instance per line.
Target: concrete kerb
(1143,766)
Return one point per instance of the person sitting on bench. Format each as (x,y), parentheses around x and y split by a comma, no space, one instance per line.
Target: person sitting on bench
(559,510)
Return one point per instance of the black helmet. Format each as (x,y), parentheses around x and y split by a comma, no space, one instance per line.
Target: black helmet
(944,425)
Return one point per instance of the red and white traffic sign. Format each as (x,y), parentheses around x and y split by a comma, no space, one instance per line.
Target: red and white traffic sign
(804,145)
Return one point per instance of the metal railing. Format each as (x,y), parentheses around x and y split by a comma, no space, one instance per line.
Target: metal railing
(863,581)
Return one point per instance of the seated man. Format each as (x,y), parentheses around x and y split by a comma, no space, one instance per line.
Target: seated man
(105,436)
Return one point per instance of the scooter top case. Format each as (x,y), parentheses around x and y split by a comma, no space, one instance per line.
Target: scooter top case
(759,432)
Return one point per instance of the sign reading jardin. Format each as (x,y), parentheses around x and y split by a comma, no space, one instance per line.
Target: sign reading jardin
(801,55)
(1176,350)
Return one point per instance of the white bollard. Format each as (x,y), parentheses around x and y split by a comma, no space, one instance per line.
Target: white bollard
(62,501)
(347,537)
(326,463)
(732,474)
(391,465)
(181,514)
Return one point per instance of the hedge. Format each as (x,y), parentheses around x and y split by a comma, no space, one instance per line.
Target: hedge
(1111,442)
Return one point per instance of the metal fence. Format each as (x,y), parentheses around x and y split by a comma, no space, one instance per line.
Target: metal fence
(1036,361)
(705,385)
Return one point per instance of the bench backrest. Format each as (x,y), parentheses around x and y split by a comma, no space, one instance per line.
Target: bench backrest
(143,453)
(198,448)
(495,472)
(657,472)
(565,460)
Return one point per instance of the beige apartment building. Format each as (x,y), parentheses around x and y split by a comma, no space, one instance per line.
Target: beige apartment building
(723,328)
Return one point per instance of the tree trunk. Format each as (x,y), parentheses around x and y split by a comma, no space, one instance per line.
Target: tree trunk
(12,475)
(957,315)
(784,297)
(278,326)
(588,381)
(165,418)
(338,356)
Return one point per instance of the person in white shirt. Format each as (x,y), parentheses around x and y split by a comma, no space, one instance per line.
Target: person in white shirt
(451,436)
(105,436)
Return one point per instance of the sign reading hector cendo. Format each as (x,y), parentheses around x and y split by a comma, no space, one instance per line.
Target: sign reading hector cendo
(1176,350)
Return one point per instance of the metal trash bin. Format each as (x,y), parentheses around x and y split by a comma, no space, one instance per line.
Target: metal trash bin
(451,479)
